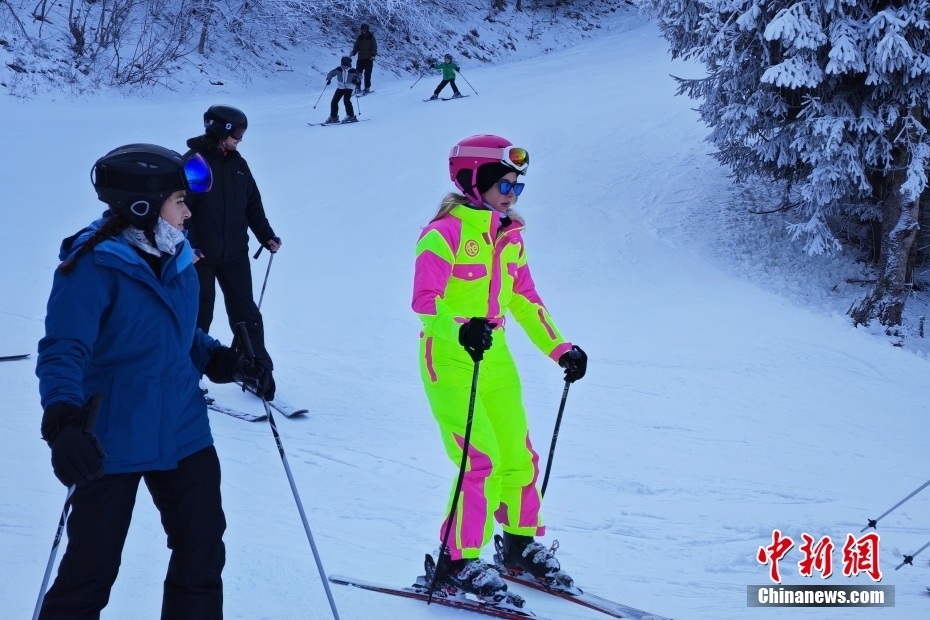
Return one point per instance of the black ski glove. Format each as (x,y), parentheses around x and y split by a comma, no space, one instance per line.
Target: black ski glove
(266,386)
(475,336)
(222,365)
(575,363)
(77,456)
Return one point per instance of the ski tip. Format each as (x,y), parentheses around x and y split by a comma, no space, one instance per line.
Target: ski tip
(13,358)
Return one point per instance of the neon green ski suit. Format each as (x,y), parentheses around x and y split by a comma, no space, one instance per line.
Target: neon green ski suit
(469,266)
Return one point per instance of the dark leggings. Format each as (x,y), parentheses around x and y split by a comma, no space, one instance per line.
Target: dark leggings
(188,499)
(442,85)
(346,95)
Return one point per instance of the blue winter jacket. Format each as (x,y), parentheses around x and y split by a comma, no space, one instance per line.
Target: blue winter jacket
(113,327)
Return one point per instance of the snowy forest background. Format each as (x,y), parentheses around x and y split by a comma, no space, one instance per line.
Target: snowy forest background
(817,107)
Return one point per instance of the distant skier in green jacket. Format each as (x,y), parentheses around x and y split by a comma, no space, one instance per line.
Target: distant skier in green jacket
(448,69)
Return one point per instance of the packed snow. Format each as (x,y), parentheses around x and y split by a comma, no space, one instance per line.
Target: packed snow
(725,396)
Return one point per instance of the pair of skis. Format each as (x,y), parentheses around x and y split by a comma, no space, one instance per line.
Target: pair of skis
(460,600)
(446,98)
(358,120)
(13,358)
(288,411)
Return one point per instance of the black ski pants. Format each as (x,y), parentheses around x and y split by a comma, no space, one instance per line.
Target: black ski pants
(235,280)
(442,85)
(365,66)
(346,95)
(188,499)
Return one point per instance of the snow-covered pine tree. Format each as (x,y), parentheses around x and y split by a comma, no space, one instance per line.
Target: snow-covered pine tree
(828,96)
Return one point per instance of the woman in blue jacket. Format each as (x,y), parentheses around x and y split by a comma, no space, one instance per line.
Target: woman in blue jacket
(121,321)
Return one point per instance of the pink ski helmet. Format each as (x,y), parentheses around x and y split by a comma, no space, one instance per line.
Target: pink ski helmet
(471,153)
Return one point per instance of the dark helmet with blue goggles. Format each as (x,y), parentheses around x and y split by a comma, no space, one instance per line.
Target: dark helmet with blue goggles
(136,179)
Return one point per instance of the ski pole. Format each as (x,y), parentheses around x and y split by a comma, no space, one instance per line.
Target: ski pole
(265,283)
(458,485)
(246,343)
(909,559)
(418,79)
(555,437)
(558,423)
(93,408)
(467,82)
(873,523)
(358,103)
(321,96)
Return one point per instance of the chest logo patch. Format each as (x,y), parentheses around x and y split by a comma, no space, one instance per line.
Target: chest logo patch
(471,248)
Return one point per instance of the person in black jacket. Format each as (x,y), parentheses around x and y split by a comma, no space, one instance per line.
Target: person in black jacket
(219,223)
(367,48)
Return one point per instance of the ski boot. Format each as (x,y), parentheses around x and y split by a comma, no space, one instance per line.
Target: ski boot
(434,97)
(467,576)
(365,92)
(457,96)
(331,119)
(350,119)
(522,554)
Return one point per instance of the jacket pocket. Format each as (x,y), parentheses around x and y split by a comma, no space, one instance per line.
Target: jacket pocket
(132,435)
(464,271)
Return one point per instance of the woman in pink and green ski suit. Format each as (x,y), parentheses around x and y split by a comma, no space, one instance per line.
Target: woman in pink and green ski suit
(471,268)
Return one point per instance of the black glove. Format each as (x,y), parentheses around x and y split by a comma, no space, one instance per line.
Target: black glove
(77,456)
(257,375)
(475,336)
(575,363)
(222,365)
(327,82)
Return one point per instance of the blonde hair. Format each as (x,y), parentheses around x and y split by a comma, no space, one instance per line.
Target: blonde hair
(454,199)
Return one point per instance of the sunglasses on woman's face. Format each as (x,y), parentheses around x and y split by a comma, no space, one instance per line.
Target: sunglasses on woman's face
(506,186)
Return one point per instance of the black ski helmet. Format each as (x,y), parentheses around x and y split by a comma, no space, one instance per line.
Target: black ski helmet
(346,61)
(364,27)
(134,180)
(225,120)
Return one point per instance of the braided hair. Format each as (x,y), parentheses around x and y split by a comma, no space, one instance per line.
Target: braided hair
(113,226)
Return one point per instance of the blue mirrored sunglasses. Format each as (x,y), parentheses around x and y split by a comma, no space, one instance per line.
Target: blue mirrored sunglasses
(197,174)
(506,186)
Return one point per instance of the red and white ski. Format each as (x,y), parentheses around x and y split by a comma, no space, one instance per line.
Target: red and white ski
(440,597)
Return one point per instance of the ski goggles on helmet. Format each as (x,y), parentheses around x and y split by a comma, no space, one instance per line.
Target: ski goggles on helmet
(235,131)
(197,174)
(505,186)
(513,156)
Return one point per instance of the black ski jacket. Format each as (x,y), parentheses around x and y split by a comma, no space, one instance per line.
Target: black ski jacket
(220,218)
(365,46)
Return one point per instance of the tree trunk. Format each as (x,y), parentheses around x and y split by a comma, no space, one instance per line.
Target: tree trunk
(899,231)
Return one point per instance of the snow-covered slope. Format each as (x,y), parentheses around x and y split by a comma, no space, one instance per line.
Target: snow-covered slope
(714,410)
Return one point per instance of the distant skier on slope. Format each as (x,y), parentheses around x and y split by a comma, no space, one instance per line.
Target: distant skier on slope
(367,49)
(219,226)
(347,80)
(471,267)
(121,321)
(448,69)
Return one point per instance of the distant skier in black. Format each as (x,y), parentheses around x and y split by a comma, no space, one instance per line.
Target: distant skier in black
(347,80)
(219,224)
(448,69)
(367,48)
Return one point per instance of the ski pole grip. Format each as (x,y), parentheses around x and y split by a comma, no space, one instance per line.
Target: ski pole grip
(256,255)
(243,335)
(93,408)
